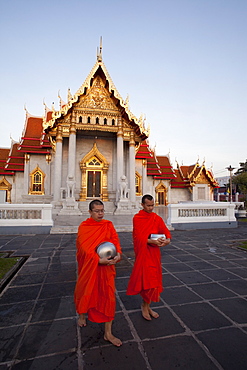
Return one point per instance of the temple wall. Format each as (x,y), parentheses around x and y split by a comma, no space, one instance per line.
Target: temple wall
(180,195)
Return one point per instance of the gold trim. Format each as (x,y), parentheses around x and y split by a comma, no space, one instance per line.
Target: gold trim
(85,167)
(39,184)
(5,185)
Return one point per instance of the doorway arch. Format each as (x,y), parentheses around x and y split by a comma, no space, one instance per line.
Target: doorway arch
(161,194)
(94,168)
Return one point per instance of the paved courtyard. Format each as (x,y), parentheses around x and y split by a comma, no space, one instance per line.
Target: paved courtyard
(203,308)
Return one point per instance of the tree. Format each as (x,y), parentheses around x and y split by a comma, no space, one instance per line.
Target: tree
(241,181)
(243,168)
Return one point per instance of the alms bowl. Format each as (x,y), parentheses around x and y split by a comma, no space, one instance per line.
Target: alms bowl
(156,236)
(106,249)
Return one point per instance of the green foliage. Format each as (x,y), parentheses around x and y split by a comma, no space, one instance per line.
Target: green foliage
(243,168)
(6,264)
(243,245)
(241,181)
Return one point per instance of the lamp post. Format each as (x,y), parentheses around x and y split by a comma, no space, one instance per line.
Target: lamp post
(230,169)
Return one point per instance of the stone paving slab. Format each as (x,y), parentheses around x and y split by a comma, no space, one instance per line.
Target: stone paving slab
(203,308)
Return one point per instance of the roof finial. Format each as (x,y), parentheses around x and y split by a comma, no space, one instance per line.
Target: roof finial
(99,51)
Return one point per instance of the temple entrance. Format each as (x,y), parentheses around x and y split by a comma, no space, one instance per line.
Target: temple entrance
(93,184)
(161,195)
(94,169)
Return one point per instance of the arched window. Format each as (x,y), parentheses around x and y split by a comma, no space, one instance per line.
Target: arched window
(113,122)
(105,121)
(80,119)
(37,182)
(97,120)
(88,119)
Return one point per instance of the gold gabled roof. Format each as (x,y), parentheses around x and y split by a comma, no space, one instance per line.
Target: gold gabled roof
(86,85)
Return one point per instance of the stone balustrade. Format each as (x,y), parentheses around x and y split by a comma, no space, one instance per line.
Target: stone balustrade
(25,218)
(205,215)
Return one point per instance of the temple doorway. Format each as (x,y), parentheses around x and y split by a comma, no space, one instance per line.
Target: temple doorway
(93,184)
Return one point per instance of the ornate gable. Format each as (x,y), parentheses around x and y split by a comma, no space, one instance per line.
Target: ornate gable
(97,98)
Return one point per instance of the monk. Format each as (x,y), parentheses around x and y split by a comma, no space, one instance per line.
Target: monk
(146,276)
(95,288)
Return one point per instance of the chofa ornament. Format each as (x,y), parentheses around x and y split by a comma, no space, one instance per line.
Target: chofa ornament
(106,249)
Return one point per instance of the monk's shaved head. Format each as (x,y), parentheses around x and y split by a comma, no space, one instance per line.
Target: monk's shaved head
(148,197)
(95,202)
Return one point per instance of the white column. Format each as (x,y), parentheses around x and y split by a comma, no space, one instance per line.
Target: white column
(48,174)
(144,176)
(26,174)
(119,153)
(58,165)
(132,168)
(72,149)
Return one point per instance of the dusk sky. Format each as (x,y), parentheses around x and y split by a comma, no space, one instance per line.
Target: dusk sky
(183,64)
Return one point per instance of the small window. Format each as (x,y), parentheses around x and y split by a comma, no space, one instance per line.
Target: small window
(97,120)
(80,119)
(138,184)
(113,122)
(37,182)
(88,119)
(105,121)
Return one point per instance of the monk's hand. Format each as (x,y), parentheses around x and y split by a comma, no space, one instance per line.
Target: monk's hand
(161,242)
(104,261)
(110,261)
(114,260)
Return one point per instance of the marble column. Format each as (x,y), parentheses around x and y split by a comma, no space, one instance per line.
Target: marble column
(58,165)
(48,174)
(72,149)
(144,176)
(26,174)
(132,194)
(119,153)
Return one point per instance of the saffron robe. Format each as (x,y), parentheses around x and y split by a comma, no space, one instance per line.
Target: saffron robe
(146,276)
(95,287)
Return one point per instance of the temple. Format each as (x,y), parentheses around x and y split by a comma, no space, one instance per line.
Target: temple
(94,147)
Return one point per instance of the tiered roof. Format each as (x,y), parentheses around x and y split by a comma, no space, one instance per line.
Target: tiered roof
(4,154)
(15,161)
(34,140)
(144,152)
(167,171)
(187,176)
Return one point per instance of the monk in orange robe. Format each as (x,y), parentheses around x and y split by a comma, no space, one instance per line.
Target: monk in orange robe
(95,287)
(146,276)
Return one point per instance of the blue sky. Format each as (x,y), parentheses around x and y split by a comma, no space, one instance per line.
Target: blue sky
(182,62)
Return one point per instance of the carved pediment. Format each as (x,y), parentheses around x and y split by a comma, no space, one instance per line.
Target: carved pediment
(202,179)
(97,97)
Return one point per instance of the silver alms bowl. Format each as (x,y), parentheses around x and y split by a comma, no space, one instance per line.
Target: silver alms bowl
(156,236)
(106,249)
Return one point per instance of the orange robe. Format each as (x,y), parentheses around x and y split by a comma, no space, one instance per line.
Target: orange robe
(95,287)
(146,276)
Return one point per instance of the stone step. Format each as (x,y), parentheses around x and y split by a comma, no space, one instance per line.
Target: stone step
(74,229)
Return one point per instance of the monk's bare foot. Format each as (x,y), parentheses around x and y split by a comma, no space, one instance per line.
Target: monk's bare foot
(82,320)
(115,341)
(154,314)
(145,312)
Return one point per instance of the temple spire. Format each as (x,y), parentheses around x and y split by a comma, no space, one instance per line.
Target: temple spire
(99,51)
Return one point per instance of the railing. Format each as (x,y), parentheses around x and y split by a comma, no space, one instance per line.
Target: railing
(201,213)
(26,215)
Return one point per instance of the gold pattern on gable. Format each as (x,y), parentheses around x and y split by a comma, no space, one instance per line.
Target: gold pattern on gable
(202,179)
(97,97)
